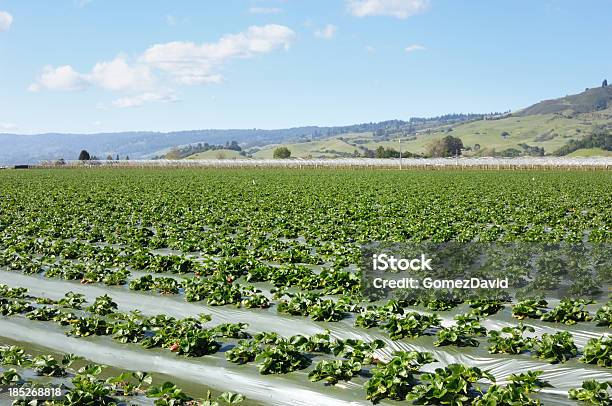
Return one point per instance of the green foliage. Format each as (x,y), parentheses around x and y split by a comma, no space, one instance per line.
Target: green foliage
(90,326)
(515,393)
(394,379)
(10,377)
(531,308)
(445,147)
(569,311)
(103,306)
(72,300)
(357,350)
(593,393)
(486,307)
(452,385)
(603,317)
(245,351)
(598,351)
(600,138)
(410,325)
(282,153)
(455,335)
(558,347)
(510,340)
(334,371)
(281,359)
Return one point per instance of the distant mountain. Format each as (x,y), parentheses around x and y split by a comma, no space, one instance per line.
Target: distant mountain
(16,149)
(590,100)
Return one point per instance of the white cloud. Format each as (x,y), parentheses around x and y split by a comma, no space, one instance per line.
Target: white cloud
(5,21)
(414,47)
(118,75)
(265,10)
(190,63)
(115,75)
(328,32)
(139,100)
(394,8)
(370,49)
(60,78)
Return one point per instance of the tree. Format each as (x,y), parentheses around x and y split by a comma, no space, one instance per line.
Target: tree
(127,157)
(109,157)
(84,156)
(604,83)
(282,153)
(445,147)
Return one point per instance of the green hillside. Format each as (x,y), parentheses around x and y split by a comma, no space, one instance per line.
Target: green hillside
(590,100)
(548,125)
(328,148)
(584,152)
(216,154)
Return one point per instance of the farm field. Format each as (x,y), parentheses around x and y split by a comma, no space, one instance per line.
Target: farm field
(245,283)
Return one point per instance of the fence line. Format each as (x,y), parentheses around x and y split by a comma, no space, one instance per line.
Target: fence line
(521,163)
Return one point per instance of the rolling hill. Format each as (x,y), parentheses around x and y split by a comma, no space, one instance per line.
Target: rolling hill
(549,124)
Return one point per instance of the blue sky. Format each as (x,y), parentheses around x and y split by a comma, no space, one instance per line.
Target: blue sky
(116,65)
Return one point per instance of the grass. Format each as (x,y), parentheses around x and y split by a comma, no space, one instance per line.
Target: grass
(327,148)
(216,154)
(587,152)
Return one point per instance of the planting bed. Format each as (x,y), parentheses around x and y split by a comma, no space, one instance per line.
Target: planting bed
(237,284)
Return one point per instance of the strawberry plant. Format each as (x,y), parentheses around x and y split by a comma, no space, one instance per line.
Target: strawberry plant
(13,355)
(452,385)
(515,393)
(44,313)
(603,317)
(245,351)
(569,311)
(231,330)
(103,306)
(357,350)
(598,351)
(558,347)
(395,379)
(470,324)
(531,308)
(89,326)
(511,340)
(334,371)
(47,365)
(10,377)
(327,310)
(72,300)
(486,307)
(281,359)
(455,335)
(410,325)
(593,393)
